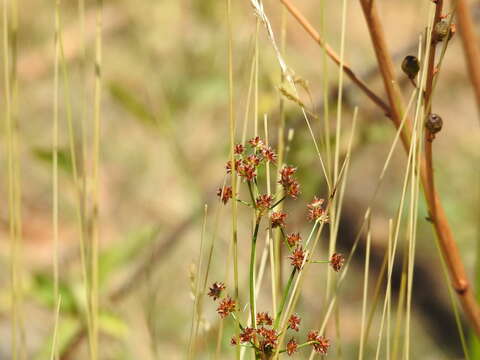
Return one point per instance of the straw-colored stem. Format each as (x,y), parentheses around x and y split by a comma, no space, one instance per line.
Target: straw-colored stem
(94,301)
(440,222)
(232,158)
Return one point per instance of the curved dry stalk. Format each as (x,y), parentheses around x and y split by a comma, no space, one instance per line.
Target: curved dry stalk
(334,56)
(442,228)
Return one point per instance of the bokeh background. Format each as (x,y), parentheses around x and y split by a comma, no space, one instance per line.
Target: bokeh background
(164,145)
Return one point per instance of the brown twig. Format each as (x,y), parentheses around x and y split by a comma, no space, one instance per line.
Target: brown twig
(334,56)
(442,228)
(428,100)
(470,45)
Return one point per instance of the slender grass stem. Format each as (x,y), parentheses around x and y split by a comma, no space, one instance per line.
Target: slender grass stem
(253,252)
(286,291)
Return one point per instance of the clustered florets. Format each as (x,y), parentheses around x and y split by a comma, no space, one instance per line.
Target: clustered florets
(288,181)
(226,307)
(277,219)
(316,210)
(293,239)
(216,290)
(225,193)
(264,202)
(246,164)
(336,261)
(297,257)
(263,335)
(321,343)
(264,319)
(294,322)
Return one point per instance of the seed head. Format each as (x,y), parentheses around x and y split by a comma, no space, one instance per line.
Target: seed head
(316,211)
(264,202)
(268,154)
(411,66)
(247,335)
(441,30)
(247,171)
(286,175)
(293,189)
(434,124)
(239,149)
(225,193)
(292,347)
(255,142)
(216,290)
(297,257)
(294,322)
(226,307)
(268,341)
(336,261)
(321,344)
(293,239)
(264,319)
(277,219)
(253,160)
(229,166)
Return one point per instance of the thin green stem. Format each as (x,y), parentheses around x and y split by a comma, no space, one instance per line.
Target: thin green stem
(284,298)
(253,255)
(278,202)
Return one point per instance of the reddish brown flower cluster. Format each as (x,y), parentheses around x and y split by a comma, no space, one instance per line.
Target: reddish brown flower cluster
(229,166)
(256,142)
(336,261)
(265,339)
(246,165)
(216,290)
(263,318)
(225,193)
(292,347)
(226,307)
(316,210)
(247,335)
(294,322)
(321,344)
(288,181)
(239,149)
(268,339)
(293,239)
(277,219)
(264,202)
(297,257)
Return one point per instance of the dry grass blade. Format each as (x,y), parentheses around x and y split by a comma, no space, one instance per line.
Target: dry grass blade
(335,57)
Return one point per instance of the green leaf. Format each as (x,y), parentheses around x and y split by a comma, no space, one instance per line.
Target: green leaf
(123,252)
(42,289)
(111,324)
(68,330)
(131,104)
(64,159)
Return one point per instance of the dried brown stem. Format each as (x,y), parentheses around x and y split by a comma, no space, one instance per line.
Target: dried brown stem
(334,56)
(428,100)
(442,228)
(470,45)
